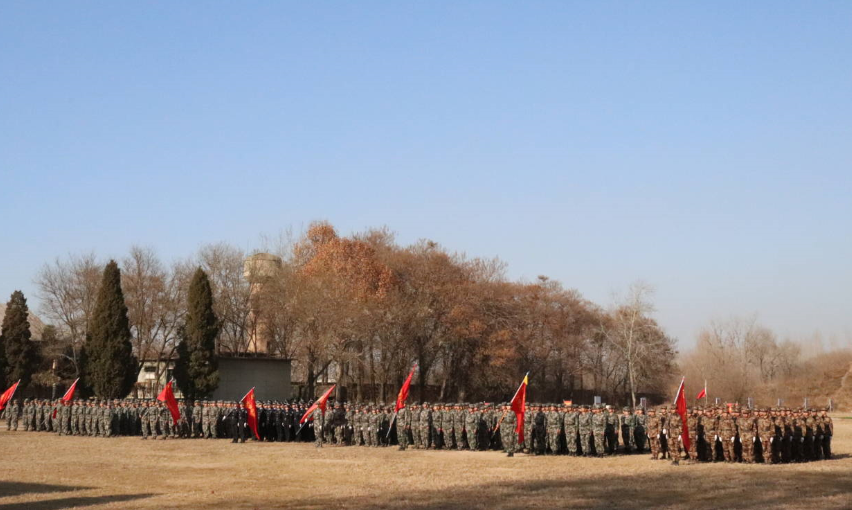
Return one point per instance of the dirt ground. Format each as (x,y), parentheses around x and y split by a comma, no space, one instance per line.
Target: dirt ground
(44,471)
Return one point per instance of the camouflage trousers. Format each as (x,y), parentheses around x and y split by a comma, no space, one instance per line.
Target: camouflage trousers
(766,441)
(693,445)
(586,441)
(599,441)
(748,448)
(318,429)
(459,431)
(571,441)
(425,437)
(728,449)
(209,428)
(402,436)
(509,439)
(472,438)
(674,447)
(655,446)
(553,439)
(12,423)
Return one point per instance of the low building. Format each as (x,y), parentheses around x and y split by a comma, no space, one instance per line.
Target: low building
(269,376)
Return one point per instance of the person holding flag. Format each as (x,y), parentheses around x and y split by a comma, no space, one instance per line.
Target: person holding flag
(678,430)
(512,431)
(316,413)
(250,410)
(14,409)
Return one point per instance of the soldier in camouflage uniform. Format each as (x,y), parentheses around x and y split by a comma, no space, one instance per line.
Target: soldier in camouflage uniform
(655,431)
(728,433)
(13,414)
(612,430)
(765,431)
(508,436)
(553,424)
(403,427)
(598,430)
(425,426)
(584,423)
(472,421)
(627,426)
(448,432)
(693,421)
(571,423)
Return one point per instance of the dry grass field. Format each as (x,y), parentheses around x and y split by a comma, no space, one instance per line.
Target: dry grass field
(43,471)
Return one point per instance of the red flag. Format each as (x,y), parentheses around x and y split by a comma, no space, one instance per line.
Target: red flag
(680,407)
(7,395)
(69,395)
(701,394)
(519,405)
(168,396)
(251,406)
(403,392)
(319,403)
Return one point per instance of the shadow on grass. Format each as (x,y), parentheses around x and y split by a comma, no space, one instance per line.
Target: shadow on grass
(71,502)
(678,488)
(15,488)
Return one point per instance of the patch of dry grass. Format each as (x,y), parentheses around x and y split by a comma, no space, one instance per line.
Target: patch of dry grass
(43,471)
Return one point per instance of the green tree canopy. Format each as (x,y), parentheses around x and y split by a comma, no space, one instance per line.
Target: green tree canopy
(197,371)
(110,366)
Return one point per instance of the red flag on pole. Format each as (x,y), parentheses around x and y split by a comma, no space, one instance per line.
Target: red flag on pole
(168,396)
(319,403)
(69,395)
(8,394)
(403,392)
(519,405)
(701,394)
(680,408)
(251,406)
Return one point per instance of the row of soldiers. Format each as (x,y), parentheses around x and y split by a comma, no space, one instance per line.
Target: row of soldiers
(731,434)
(277,421)
(551,429)
(714,434)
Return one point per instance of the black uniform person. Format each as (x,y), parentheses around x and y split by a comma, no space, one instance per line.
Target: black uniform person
(237,423)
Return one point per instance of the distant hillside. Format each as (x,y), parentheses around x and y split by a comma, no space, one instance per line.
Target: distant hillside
(36,326)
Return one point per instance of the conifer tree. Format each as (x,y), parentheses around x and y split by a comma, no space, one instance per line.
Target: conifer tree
(18,357)
(110,366)
(197,371)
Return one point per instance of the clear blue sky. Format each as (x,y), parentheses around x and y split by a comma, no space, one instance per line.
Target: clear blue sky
(705,147)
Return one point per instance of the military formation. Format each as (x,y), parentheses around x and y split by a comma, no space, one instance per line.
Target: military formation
(729,434)
(151,419)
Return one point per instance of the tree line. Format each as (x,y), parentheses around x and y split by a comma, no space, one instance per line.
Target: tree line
(361,310)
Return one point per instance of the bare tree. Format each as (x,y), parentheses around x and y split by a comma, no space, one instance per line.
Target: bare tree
(67,290)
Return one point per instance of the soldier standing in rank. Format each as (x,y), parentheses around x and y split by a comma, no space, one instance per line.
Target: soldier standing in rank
(571,422)
(197,417)
(507,431)
(13,414)
(553,420)
(693,421)
(765,431)
(598,430)
(425,426)
(585,426)
(627,425)
(472,424)
(828,432)
(403,427)
(612,430)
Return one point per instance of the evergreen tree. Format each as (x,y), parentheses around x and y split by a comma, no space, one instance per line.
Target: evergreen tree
(19,357)
(197,371)
(110,368)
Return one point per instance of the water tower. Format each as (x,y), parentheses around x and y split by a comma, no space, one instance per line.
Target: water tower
(260,269)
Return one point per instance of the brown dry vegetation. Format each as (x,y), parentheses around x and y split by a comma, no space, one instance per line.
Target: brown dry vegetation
(43,471)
